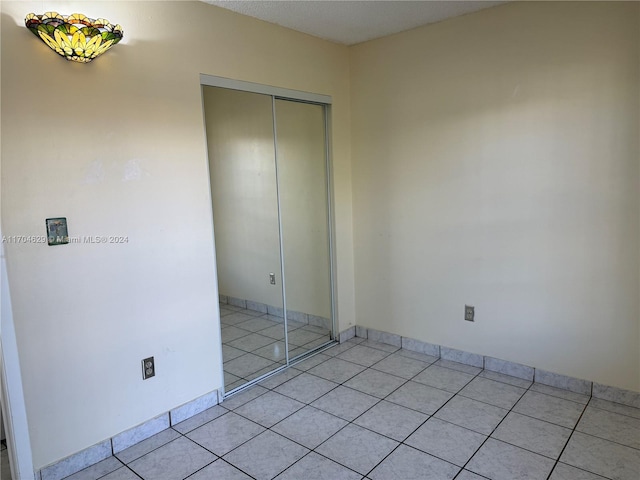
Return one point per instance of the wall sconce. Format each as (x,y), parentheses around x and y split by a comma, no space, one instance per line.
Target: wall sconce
(75,36)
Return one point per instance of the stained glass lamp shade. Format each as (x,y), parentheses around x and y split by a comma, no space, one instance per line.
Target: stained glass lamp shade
(74,36)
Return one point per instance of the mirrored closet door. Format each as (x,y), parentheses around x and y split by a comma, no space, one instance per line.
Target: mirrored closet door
(302,181)
(268,170)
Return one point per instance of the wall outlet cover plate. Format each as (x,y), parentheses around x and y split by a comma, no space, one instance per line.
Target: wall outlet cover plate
(148,368)
(469,313)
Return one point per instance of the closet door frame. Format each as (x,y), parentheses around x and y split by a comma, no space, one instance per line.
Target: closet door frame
(278,93)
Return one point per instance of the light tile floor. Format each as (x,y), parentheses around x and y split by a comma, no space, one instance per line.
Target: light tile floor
(253,343)
(363,410)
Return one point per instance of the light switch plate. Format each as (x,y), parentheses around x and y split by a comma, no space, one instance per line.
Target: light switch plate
(57,233)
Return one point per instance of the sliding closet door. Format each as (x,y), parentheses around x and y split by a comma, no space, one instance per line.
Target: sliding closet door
(268,166)
(302,185)
(240,139)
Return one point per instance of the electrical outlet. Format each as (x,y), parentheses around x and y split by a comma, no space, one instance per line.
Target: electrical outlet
(148,368)
(469,313)
(272,278)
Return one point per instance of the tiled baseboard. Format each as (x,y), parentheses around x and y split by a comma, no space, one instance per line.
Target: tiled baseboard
(347,334)
(577,385)
(617,395)
(76,462)
(105,449)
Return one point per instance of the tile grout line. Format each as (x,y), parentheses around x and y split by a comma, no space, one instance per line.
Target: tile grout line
(419,426)
(511,410)
(569,439)
(132,471)
(309,405)
(180,434)
(269,429)
(349,422)
(122,465)
(320,454)
(494,429)
(529,416)
(407,381)
(218,457)
(150,451)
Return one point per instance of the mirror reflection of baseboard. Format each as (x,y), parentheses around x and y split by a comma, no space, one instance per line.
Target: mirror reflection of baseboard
(308,318)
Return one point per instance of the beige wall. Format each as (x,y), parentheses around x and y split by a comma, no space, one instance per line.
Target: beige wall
(496,163)
(118,147)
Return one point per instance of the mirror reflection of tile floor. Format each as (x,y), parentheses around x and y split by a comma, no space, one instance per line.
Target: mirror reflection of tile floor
(253,343)
(368,411)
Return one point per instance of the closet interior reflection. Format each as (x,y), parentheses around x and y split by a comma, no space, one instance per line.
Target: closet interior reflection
(268,170)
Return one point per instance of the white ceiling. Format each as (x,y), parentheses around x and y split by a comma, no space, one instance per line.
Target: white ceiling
(350,22)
